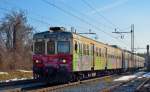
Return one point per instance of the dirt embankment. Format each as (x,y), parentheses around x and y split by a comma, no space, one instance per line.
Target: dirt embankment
(15,75)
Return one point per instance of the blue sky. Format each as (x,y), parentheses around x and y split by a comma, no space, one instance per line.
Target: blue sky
(121,13)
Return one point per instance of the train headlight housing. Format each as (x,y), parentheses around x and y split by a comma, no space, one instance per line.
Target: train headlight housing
(64,61)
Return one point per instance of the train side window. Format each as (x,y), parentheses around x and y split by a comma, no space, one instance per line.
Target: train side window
(100,52)
(87,49)
(91,50)
(97,52)
(84,49)
(80,48)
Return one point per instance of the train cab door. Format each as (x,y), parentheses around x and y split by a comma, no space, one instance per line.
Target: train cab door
(92,56)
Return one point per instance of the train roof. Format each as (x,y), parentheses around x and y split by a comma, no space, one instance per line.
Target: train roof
(48,34)
(54,33)
(112,46)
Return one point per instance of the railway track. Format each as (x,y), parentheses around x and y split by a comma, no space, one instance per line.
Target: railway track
(41,87)
(35,86)
(16,82)
(55,88)
(16,86)
(133,85)
(61,88)
(144,87)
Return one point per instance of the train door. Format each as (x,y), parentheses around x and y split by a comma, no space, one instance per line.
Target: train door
(129,61)
(106,58)
(92,56)
(123,60)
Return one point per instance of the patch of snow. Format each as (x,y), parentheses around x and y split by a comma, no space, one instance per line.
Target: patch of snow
(6,81)
(25,71)
(140,77)
(3,73)
(125,78)
(147,75)
(23,79)
(15,79)
(129,77)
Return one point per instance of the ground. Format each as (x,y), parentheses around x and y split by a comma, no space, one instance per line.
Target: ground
(15,75)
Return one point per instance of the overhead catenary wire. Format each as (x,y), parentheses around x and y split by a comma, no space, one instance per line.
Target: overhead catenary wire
(41,21)
(80,19)
(98,13)
(7,10)
(85,15)
(46,18)
(68,12)
(88,17)
(105,18)
(75,16)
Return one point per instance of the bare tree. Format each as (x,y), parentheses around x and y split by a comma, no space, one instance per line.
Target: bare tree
(15,41)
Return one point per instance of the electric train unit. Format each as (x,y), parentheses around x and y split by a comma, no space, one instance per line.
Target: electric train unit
(61,55)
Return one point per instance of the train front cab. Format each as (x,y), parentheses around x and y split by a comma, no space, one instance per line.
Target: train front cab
(52,58)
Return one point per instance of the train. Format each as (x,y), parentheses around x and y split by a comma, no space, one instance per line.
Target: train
(65,56)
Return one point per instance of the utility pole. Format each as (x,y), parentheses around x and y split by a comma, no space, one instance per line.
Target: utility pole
(132,41)
(147,59)
(132,45)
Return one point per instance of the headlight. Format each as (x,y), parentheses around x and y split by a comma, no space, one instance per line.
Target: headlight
(64,61)
(37,61)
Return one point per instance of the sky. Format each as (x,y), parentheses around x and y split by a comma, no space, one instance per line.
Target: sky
(99,16)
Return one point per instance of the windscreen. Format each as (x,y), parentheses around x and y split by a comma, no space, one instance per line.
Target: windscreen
(63,47)
(39,47)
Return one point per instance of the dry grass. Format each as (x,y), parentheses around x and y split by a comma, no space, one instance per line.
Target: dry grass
(15,74)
